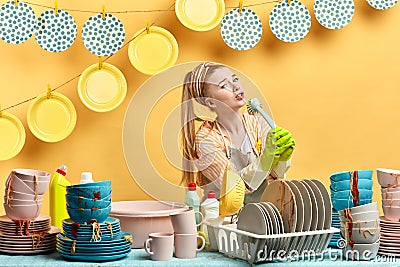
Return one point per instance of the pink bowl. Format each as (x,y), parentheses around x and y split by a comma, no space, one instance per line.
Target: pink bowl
(23,196)
(389,189)
(387,177)
(145,217)
(391,213)
(391,202)
(28,175)
(22,212)
(42,186)
(18,185)
(18,202)
(391,195)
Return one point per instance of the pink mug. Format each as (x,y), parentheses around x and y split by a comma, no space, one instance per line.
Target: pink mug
(186,245)
(160,246)
(185,222)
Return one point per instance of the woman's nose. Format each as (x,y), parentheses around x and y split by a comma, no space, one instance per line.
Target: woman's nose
(235,87)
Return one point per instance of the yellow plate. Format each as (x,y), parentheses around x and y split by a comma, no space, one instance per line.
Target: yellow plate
(153,52)
(102,89)
(12,136)
(200,15)
(51,119)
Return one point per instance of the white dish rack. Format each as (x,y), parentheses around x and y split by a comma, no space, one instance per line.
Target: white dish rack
(255,248)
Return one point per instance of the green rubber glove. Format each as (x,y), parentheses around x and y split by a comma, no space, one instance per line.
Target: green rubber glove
(279,146)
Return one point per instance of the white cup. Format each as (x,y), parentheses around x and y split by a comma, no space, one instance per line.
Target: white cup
(186,245)
(185,222)
(160,246)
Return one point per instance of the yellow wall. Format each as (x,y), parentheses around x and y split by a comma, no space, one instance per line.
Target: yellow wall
(337,91)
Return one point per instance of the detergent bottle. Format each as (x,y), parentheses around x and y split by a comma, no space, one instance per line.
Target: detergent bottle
(192,199)
(58,190)
(210,210)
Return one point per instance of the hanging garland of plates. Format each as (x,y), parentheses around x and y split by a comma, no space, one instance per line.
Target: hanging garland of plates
(103,34)
(55,31)
(241,29)
(334,14)
(17,22)
(290,21)
(382,4)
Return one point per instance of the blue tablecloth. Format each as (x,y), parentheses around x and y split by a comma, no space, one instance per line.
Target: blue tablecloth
(138,257)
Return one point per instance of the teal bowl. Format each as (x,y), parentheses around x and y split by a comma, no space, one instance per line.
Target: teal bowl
(345,194)
(106,183)
(76,202)
(341,204)
(94,192)
(345,185)
(86,215)
(343,176)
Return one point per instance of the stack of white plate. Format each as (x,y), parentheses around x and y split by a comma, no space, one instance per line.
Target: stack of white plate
(27,237)
(335,223)
(390,237)
(304,205)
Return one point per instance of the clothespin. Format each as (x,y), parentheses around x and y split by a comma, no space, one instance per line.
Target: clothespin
(288,2)
(103,12)
(100,62)
(240,6)
(147,26)
(48,91)
(1,112)
(16,2)
(56,7)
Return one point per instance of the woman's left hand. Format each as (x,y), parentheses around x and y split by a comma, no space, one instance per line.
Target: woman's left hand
(285,145)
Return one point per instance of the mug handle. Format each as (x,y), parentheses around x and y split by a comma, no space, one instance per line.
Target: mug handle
(147,246)
(201,218)
(203,243)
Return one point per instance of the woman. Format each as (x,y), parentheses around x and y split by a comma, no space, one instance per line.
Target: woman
(244,140)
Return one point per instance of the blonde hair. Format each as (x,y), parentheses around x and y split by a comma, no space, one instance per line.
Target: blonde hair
(193,88)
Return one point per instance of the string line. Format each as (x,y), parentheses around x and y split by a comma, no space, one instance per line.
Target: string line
(143,11)
(77,76)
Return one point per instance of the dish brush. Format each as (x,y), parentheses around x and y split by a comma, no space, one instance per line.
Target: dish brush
(254,106)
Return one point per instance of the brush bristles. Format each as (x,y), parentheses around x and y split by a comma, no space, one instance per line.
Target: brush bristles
(250,109)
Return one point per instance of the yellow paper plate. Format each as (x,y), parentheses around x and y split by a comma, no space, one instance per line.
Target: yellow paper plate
(12,136)
(200,15)
(153,52)
(102,90)
(51,119)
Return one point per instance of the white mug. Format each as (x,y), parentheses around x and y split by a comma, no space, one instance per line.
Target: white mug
(185,222)
(160,246)
(186,245)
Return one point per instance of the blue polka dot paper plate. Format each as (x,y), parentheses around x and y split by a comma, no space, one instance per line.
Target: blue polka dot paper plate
(382,4)
(17,22)
(103,37)
(334,14)
(290,23)
(241,30)
(55,32)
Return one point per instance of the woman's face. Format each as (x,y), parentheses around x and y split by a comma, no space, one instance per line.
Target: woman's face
(224,87)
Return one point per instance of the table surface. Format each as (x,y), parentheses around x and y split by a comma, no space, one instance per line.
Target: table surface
(138,257)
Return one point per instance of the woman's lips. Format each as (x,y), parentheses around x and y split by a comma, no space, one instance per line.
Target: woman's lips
(240,96)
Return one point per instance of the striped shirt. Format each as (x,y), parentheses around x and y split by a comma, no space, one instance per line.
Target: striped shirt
(211,151)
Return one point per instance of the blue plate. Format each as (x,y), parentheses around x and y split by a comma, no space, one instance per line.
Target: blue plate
(115,241)
(100,252)
(340,176)
(113,221)
(99,248)
(93,259)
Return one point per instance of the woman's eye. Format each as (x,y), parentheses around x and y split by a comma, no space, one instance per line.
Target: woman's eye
(223,86)
(235,79)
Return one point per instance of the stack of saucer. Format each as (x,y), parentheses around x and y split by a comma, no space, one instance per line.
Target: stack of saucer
(335,223)
(361,231)
(27,237)
(390,237)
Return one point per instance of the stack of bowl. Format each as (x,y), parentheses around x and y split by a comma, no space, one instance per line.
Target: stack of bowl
(390,189)
(350,189)
(89,234)
(24,192)
(361,231)
(89,202)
